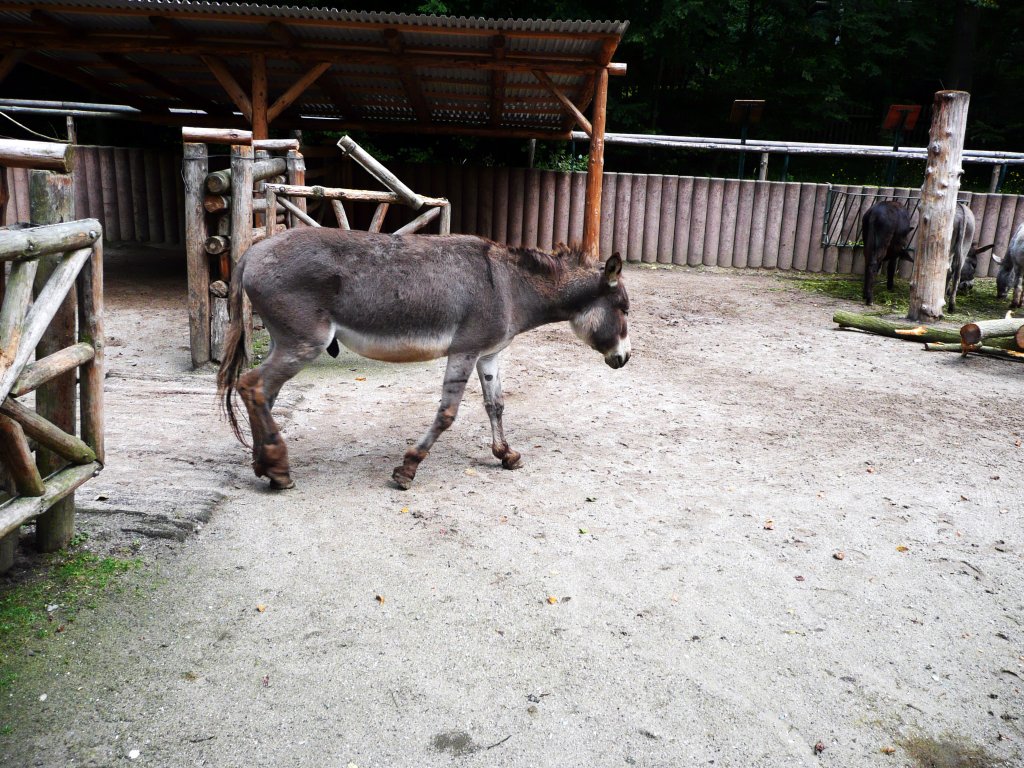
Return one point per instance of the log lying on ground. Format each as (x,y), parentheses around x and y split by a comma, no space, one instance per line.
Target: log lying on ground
(989,351)
(975,333)
(908,331)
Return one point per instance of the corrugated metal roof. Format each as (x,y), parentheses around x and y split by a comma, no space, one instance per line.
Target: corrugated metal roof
(467,72)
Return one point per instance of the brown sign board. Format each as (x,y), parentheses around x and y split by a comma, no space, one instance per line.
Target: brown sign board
(897,112)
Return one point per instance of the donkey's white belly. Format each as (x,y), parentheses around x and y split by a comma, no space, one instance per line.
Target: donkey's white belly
(395,349)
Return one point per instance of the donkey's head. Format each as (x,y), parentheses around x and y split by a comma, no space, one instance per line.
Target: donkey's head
(601,322)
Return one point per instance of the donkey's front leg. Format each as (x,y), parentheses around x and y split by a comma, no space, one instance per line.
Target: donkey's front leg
(494,403)
(455,377)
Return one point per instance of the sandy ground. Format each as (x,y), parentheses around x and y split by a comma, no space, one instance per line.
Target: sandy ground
(417,628)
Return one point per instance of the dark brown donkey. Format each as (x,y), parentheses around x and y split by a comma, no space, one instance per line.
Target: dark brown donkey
(407,299)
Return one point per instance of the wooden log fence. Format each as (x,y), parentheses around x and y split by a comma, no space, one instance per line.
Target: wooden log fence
(685,220)
(71,281)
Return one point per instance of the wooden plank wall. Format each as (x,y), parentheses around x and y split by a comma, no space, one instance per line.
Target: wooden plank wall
(684,220)
(681,220)
(136,194)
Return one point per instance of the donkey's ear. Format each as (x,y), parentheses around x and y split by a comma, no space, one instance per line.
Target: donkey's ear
(612,269)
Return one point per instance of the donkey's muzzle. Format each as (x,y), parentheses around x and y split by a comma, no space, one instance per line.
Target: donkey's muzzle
(617,360)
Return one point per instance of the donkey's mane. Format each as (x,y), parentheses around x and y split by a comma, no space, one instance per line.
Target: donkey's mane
(556,262)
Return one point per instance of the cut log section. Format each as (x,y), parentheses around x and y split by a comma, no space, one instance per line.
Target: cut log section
(877,325)
(975,333)
(989,351)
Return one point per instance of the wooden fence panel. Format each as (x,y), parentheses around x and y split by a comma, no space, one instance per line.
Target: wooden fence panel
(501,204)
(485,216)
(845,264)
(730,212)
(790,217)
(470,204)
(623,195)
(609,199)
(773,226)
(986,231)
(108,184)
(815,252)
(759,224)
(684,207)
(531,208)
(577,202)
(123,189)
(698,221)
(713,221)
(637,214)
(1004,231)
(652,218)
(80,185)
(138,195)
(744,217)
(151,169)
(170,177)
(563,207)
(667,224)
(546,211)
(805,219)
(454,183)
(517,196)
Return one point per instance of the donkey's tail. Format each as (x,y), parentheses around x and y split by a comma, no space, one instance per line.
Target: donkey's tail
(234,359)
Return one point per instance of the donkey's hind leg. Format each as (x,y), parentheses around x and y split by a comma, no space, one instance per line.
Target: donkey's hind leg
(455,377)
(494,403)
(259,389)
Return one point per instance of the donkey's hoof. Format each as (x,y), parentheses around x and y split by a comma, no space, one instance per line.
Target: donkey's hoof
(281,484)
(512,460)
(402,480)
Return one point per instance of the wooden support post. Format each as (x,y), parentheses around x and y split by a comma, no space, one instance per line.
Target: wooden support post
(194,172)
(241,222)
(762,168)
(260,121)
(258,216)
(296,173)
(595,170)
(90,331)
(938,204)
(52,201)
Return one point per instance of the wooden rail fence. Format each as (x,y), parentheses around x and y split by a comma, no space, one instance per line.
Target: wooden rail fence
(682,220)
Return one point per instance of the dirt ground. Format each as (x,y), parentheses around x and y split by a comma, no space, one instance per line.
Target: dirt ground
(659,585)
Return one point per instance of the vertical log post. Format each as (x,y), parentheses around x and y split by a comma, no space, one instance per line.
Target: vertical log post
(260,123)
(595,169)
(52,201)
(259,219)
(90,330)
(938,205)
(196,167)
(241,221)
(296,165)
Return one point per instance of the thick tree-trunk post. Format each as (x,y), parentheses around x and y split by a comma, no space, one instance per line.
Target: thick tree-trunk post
(241,221)
(52,201)
(258,216)
(296,173)
(595,169)
(196,167)
(938,204)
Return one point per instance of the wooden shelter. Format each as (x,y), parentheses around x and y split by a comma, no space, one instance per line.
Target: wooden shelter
(258,66)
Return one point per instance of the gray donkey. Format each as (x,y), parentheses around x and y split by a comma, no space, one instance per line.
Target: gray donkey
(407,298)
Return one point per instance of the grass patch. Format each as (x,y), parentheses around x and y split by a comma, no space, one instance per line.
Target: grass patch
(46,603)
(260,345)
(978,304)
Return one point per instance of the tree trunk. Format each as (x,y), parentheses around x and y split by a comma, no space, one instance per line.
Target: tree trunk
(938,205)
(882,327)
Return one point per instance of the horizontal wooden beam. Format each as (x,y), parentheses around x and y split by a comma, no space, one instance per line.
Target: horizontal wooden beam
(30,243)
(57,486)
(46,434)
(197,135)
(42,155)
(339,193)
(41,371)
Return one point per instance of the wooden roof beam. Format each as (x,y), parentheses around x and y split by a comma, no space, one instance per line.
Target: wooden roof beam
(187,96)
(564,100)
(299,87)
(281,34)
(73,73)
(230,84)
(406,74)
